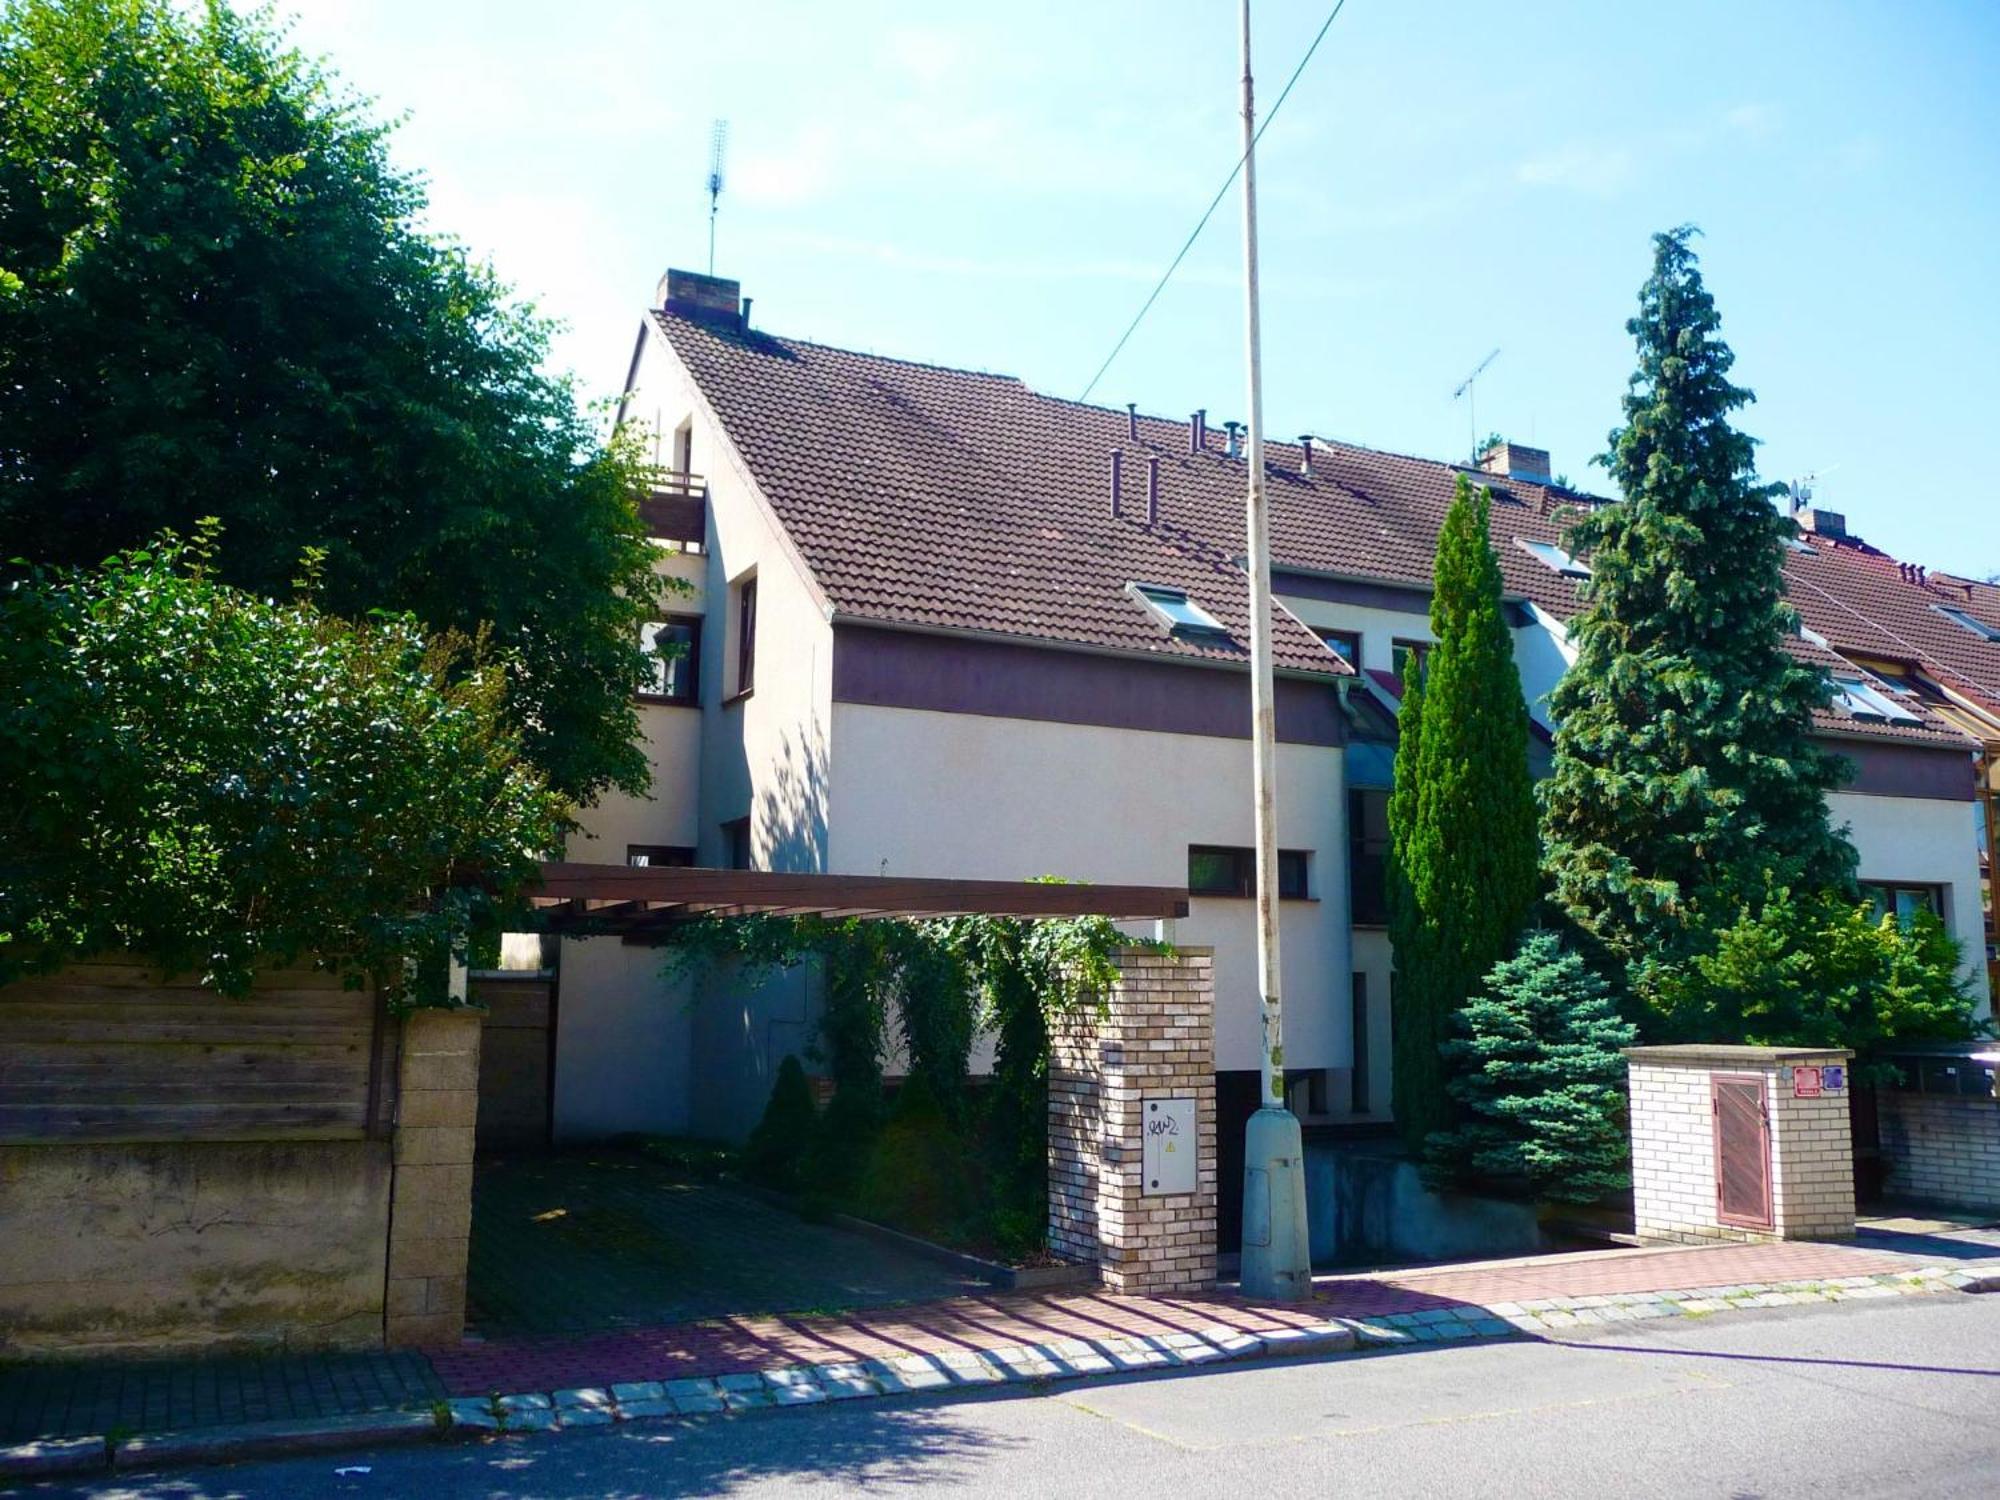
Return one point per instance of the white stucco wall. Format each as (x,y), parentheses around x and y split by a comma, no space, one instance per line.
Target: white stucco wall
(939,794)
(623,1039)
(1929,842)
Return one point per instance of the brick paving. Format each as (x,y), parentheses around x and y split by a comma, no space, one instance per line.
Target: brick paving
(87,1398)
(579,1243)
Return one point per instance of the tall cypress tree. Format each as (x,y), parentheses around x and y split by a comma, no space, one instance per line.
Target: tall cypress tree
(1685,779)
(1461,815)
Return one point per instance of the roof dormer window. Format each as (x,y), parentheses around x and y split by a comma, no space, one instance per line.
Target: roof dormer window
(1552,557)
(1863,698)
(1173,608)
(1969,622)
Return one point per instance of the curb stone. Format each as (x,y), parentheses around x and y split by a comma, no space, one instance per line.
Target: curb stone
(1056,1359)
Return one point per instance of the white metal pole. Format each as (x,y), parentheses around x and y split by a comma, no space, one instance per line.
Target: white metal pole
(1263,713)
(1274,1207)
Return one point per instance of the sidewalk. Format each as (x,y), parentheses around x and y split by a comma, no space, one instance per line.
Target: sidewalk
(728,1364)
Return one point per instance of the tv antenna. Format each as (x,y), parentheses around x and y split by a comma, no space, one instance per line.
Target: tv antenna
(718,141)
(1800,490)
(1466,389)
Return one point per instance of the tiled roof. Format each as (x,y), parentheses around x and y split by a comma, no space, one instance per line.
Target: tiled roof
(949,499)
(954,499)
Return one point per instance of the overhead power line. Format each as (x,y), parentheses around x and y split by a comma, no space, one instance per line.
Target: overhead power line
(1213,203)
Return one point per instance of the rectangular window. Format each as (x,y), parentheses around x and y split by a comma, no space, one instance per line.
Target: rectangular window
(736,843)
(675,646)
(1368,856)
(1864,699)
(746,634)
(684,448)
(1176,610)
(1359,1102)
(1904,900)
(1403,653)
(1968,621)
(659,856)
(1218,871)
(1344,644)
(1552,557)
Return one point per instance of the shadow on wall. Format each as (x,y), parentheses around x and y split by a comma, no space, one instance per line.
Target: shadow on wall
(791,809)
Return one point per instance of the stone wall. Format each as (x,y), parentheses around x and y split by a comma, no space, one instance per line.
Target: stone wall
(1943,1149)
(1153,1040)
(430,1217)
(1673,1145)
(180,1171)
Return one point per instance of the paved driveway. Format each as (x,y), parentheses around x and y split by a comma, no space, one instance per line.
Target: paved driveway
(590,1242)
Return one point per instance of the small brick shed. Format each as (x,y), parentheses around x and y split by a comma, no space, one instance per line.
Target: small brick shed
(1741,1143)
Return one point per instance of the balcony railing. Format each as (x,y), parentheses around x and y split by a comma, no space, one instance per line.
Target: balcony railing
(677,508)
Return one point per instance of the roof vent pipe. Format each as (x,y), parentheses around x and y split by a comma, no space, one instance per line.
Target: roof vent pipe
(746,314)
(1117,478)
(1152,490)
(1306,454)
(1132,420)
(1233,429)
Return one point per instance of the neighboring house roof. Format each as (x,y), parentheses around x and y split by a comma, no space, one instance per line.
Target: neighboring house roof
(927,497)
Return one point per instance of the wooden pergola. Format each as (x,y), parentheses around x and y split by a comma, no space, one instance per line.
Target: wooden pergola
(635,901)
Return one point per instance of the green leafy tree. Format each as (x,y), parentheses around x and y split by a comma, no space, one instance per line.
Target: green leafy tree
(215,781)
(1816,969)
(1685,777)
(216,298)
(1461,814)
(1538,1068)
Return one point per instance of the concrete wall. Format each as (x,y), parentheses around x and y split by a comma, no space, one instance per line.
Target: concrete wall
(144,1247)
(1942,1149)
(939,794)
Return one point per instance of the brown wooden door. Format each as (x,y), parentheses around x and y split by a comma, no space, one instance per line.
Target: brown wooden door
(1742,1151)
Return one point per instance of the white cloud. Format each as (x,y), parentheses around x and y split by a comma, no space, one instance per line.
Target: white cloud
(1599,170)
(1753,119)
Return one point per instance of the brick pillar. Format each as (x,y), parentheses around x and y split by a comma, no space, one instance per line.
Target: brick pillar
(1674,1142)
(430,1206)
(1153,1041)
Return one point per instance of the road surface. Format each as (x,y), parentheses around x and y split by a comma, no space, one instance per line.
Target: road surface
(1900,1397)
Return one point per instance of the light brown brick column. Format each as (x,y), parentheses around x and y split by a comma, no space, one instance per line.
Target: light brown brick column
(430,1207)
(1153,1039)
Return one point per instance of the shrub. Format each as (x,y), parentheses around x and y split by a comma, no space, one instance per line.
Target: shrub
(778,1149)
(1537,1068)
(215,781)
(916,1174)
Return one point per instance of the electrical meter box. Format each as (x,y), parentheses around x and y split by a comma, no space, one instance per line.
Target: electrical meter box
(1168,1160)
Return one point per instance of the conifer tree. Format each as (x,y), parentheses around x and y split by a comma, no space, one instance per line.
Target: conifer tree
(1461,814)
(1538,1068)
(1685,780)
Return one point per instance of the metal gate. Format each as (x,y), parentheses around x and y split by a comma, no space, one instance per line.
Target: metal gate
(1742,1151)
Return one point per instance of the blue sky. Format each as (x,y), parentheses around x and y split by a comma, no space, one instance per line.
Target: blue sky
(997,186)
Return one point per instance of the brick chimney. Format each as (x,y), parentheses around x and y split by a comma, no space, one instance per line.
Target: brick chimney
(1822,522)
(712,299)
(1516,461)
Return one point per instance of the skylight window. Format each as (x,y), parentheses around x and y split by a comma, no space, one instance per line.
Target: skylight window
(1552,557)
(1862,699)
(1969,622)
(1175,610)
(1799,544)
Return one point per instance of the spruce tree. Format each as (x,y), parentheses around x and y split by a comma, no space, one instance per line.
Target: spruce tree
(1538,1068)
(1685,779)
(1461,814)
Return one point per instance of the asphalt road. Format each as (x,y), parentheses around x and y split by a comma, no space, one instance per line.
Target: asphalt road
(1892,1398)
